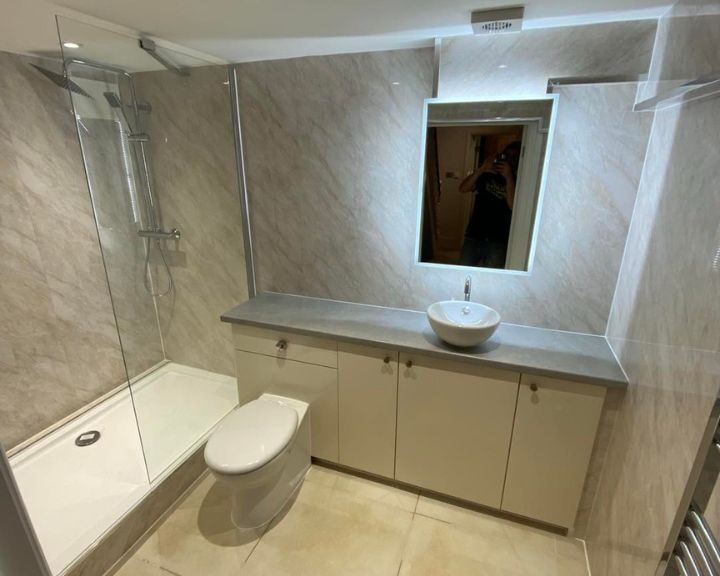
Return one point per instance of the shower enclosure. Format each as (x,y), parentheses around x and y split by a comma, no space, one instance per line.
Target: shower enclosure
(155,131)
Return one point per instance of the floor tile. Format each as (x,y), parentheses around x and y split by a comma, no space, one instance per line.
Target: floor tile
(363,487)
(459,516)
(321,475)
(140,567)
(494,545)
(571,548)
(186,554)
(329,531)
(342,524)
(440,549)
(199,535)
(376,491)
(437,548)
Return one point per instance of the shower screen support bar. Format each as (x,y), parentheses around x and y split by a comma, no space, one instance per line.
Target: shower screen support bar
(242,183)
(151,48)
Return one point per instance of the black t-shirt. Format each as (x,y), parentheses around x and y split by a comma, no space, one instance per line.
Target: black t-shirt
(491,214)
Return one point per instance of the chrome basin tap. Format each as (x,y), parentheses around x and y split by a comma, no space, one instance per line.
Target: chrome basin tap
(468,287)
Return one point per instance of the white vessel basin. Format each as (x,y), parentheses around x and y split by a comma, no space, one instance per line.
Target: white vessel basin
(462,323)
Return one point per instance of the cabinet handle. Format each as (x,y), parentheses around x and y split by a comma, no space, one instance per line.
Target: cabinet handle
(386,359)
(281,345)
(534,387)
(409,363)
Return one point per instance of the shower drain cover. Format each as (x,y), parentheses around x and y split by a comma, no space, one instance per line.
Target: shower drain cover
(87,438)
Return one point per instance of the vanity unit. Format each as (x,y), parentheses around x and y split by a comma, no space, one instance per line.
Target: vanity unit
(497,426)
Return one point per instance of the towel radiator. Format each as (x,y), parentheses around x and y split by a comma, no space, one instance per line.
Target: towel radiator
(692,549)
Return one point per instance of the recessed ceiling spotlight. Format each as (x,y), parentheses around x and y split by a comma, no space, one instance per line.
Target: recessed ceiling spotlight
(502,66)
(72,45)
(396,83)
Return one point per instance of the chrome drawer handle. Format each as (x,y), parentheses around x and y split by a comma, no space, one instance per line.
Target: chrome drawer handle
(281,345)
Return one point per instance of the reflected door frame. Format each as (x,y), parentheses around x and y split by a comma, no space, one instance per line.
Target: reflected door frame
(526,197)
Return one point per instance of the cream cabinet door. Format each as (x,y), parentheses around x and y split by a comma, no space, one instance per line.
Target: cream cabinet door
(454,427)
(555,427)
(316,385)
(367,389)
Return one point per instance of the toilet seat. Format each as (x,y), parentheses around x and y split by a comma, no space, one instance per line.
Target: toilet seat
(251,436)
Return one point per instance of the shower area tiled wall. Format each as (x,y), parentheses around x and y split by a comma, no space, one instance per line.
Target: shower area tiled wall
(105,330)
(194,167)
(59,349)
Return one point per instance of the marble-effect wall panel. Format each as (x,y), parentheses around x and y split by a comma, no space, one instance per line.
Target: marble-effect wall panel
(578,253)
(59,347)
(333,158)
(504,66)
(665,330)
(123,250)
(193,167)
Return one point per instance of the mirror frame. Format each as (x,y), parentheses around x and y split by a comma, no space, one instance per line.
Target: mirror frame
(553,99)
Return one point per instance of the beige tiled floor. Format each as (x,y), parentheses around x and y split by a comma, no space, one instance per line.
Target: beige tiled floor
(341,524)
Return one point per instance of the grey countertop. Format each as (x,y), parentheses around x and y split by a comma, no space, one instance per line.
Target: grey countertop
(583,357)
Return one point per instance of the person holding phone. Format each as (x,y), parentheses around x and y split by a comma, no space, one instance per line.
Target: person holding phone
(487,232)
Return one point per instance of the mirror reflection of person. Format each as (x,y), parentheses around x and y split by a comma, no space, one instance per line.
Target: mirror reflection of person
(487,232)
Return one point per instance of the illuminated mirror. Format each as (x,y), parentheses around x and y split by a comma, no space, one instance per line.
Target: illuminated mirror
(482,180)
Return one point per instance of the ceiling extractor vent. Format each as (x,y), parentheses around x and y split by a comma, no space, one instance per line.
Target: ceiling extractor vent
(498,21)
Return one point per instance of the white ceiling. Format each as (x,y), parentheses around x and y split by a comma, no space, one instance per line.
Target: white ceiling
(243,30)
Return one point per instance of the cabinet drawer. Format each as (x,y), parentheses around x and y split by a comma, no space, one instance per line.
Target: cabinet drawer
(316,385)
(553,437)
(285,345)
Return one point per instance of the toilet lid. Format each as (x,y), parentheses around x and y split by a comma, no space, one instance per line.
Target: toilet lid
(250,436)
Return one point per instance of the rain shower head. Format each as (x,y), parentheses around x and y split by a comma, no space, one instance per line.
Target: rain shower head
(61,80)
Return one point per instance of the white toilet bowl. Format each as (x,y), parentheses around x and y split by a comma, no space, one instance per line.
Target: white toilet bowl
(262,451)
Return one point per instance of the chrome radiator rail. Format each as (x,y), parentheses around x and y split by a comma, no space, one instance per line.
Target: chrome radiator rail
(692,549)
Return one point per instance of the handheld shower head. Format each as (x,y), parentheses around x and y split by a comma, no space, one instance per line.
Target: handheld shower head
(113,99)
(116,104)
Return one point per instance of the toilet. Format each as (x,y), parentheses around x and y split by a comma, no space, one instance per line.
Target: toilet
(261,450)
